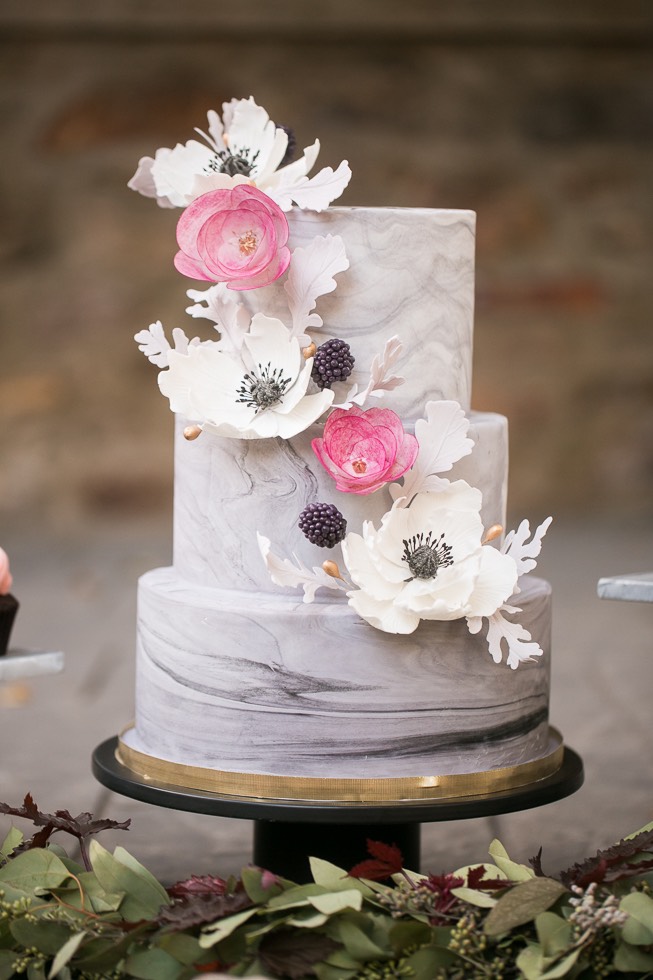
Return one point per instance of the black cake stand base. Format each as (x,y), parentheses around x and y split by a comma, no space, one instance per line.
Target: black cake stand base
(287,833)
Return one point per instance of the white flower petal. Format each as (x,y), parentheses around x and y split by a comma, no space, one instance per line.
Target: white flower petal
(216,129)
(316,193)
(383,615)
(362,570)
(307,411)
(277,152)
(297,390)
(391,597)
(496,581)
(251,132)
(270,342)
(174,171)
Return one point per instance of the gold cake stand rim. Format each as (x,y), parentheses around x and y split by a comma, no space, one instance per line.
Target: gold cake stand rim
(270,788)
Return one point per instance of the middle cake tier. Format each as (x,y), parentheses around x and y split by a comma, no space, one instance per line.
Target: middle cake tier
(227,490)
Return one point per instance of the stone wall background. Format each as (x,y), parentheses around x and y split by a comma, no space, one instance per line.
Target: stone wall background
(538,116)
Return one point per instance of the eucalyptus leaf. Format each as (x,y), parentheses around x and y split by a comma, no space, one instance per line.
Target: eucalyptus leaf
(47,937)
(529,962)
(129,861)
(334,879)
(357,943)
(553,932)
(104,955)
(335,902)
(252,879)
(512,870)
(426,962)
(33,869)
(93,898)
(482,900)
(65,954)
(143,897)
(326,971)
(153,964)
(184,948)
(631,959)
(11,841)
(405,934)
(642,830)
(295,897)
(638,927)
(522,904)
(7,959)
(561,967)
(214,934)
(307,920)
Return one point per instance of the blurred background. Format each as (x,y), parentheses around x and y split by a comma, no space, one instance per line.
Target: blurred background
(537,116)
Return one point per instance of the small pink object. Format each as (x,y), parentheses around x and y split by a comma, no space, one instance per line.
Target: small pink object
(364,450)
(8,603)
(6,579)
(234,235)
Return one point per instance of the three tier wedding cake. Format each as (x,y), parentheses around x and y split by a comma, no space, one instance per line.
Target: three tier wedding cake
(345,617)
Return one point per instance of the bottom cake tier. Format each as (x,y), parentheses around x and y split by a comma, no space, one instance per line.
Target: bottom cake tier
(262,684)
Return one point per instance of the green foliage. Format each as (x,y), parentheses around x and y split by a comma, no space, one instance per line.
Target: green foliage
(59,921)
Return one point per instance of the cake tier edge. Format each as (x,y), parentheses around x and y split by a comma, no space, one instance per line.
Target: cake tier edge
(266,684)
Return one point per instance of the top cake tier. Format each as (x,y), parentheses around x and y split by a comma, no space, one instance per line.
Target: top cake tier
(411,274)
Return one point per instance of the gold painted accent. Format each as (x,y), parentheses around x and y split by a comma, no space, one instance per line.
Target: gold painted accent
(255,786)
(192,432)
(331,568)
(309,351)
(492,533)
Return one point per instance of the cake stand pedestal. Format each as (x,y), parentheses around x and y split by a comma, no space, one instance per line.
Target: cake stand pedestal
(287,833)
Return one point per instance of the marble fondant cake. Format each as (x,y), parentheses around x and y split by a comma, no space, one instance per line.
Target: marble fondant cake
(345,616)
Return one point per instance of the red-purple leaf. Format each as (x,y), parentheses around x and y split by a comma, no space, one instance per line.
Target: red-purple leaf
(200,908)
(385,861)
(292,954)
(81,826)
(198,885)
(476,879)
(605,865)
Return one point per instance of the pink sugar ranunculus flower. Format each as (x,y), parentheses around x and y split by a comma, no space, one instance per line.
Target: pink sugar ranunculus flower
(234,235)
(363,450)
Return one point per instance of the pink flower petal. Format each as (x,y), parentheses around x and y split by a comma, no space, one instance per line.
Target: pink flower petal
(364,450)
(235,235)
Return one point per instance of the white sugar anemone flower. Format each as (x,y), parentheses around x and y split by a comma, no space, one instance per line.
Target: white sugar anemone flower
(427,561)
(244,146)
(255,394)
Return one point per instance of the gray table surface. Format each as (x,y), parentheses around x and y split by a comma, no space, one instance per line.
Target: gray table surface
(635,587)
(18,663)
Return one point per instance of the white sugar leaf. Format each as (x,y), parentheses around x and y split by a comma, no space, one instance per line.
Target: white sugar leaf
(443,440)
(219,305)
(154,344)
(181,341)
(522,551)
(310,276)
(284,572)
(519,643)
(380,379)
(316,193)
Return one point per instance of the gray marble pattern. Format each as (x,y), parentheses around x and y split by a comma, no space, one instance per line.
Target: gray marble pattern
(247,681)
(228,489)
(411,273)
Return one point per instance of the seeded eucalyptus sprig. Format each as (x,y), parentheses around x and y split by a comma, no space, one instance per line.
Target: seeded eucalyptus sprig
(379,921)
